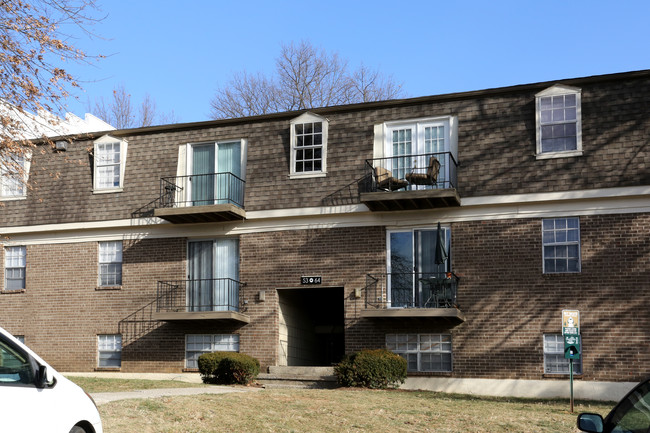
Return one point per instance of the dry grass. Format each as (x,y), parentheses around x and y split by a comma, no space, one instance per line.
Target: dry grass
(343,410)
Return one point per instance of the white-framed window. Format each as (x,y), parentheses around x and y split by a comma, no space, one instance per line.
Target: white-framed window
(561,245)
(423,352)
(109,351)
(15,265)
(308,145)
(554,360)
(14,173)
(558,117)
(110,263)
(406,146)
(198,344)
(110,163)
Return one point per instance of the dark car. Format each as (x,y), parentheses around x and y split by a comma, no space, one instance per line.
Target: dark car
(631,415)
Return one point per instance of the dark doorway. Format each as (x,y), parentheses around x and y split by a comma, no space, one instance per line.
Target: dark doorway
(311,326)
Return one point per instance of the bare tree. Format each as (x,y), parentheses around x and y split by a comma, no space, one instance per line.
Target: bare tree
(34,49)
(369,85)
(121,113)
(306,77)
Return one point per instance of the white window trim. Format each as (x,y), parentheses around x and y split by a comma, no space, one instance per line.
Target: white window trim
(99,263)
(419,352)
(558,373)
(24,248)
(27,162)
(99,350)
(184,166)
(382,136)
(212,343)
(578,242)
(307,118)
(123,153)
(557,90)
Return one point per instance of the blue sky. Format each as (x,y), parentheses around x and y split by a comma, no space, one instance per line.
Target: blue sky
(180,53)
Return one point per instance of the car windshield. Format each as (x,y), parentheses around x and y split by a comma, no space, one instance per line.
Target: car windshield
(633,414)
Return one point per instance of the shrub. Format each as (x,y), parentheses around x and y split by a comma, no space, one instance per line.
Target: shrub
(228,368)
(379,368)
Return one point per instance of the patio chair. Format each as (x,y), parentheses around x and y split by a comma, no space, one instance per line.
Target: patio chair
(428,178)
(386,180)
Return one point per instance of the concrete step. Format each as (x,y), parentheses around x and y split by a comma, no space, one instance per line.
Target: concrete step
(298,377)
(301,371)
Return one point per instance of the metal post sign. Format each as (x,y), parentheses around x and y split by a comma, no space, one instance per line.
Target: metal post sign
(571,332)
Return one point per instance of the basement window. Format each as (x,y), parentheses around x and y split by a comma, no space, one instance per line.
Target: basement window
(198,344)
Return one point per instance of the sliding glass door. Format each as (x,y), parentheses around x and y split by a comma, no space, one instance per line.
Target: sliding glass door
(215,170)
(213,275)
(413,267)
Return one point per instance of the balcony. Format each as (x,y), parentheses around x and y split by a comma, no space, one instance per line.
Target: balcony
(214,197)
(409,182)
(412,295)
(207,299)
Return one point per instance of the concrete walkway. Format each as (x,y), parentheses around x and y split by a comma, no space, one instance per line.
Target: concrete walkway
(107,397)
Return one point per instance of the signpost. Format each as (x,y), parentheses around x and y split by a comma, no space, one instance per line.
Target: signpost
(571,333)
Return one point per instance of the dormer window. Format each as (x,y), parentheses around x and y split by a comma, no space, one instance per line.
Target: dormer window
(14,173)
(110,162)
(559,122)
(308,146)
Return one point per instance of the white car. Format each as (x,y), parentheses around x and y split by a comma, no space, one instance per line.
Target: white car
(36,398)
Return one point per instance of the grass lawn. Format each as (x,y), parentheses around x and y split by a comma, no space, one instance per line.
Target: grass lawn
(342,410)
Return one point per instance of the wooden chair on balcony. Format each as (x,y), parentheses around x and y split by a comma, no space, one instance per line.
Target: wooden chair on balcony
(386,181)
(429,178)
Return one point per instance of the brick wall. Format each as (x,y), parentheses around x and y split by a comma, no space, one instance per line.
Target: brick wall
(275,260)
(507,301)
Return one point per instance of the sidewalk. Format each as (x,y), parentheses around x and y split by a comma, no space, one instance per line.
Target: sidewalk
(179,377)
(107,397)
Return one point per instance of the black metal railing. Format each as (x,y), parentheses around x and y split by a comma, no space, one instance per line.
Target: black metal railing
(413,172)
(202,189)
(350,193)
(412,290)
(217,294)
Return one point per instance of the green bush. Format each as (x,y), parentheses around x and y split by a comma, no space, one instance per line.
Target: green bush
(228,368)
(379,368)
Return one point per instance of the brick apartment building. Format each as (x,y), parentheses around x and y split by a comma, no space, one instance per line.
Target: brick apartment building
(452,229)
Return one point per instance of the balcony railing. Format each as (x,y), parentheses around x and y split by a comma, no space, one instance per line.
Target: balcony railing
(412,290)
(201,190)
(413,172)
(194,296)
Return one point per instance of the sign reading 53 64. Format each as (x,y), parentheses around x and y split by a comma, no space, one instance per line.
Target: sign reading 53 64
(311,280)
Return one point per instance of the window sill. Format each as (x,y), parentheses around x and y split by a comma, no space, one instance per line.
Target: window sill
(11,292)
(308,176)
(560,376)
(107,190)
(429,374)
(560,274)
(554,155)
(190,370)
(115,369)
(13,198)
(107,288)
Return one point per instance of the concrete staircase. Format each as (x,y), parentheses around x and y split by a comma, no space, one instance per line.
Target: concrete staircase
(298,377)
